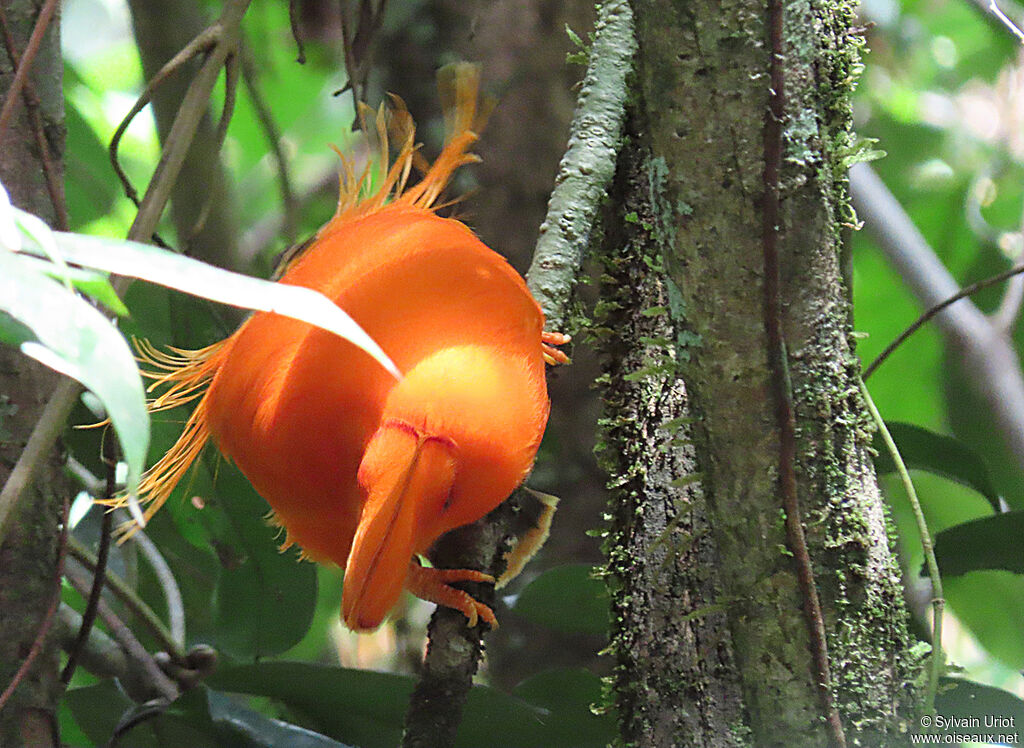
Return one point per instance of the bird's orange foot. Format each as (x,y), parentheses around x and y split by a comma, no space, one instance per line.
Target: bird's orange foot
(432,585)
(548,342)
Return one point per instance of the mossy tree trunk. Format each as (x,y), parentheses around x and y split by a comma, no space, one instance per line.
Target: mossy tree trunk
(29,552)
(712,643)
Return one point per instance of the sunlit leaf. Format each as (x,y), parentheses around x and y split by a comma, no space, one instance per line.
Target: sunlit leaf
(92,283)
(74,338)
(191,276)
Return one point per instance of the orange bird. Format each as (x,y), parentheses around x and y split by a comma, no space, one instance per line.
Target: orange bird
(360,469)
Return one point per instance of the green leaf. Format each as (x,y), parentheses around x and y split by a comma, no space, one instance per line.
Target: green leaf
(92,283)
(942,455)
(568,696)
(962,699)
(355,706)
(74,338)
(260,731)
(199,279)
(90,186)
(987,543)
(99,709)
(265,599)
(567,599)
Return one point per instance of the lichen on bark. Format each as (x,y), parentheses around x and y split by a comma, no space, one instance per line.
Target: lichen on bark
(701,103)
(675,680)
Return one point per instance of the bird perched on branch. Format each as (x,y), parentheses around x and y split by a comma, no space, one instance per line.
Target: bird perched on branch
(359,468)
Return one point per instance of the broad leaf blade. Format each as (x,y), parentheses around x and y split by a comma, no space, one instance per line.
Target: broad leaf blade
(74,338)
(964,699)
(568,599)
(191,276)
(942,455)
(265,599)
(986,543)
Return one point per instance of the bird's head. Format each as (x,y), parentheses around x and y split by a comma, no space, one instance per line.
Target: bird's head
(458,433)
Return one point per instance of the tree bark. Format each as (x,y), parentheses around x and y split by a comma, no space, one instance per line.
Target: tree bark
(703,99)
(28,555)
(676,681)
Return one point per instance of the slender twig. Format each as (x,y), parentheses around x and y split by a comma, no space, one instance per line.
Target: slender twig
(155,677)
(54,184)
(938,659)
(781,385)
(29,56)
(985,353)
(588,165)
(100,568)
(45,433)
(48,618)
(168,584)
(273,135)
(190,113)
(101,655)
(219,136)
(1005,20)
(133,602)
(175,146)
(293,19)
(203,43)
(924,318)
(350,61)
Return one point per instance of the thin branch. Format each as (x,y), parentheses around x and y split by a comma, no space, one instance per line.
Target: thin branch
(100,567)
(21,75)
(133,602)
(168,584)
(588,165)
(101,655)
(54,183)
(160,684)
(1005,20)
(928,315)
(48,618)
(203,43)
(987,355)
(219,136)
(938,658)
(191,111)
(293,19)
(41,440)
(273,135)
(781,384)
(350,61)
(157,194)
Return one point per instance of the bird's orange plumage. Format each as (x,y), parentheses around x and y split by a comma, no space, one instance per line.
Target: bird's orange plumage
(360,469)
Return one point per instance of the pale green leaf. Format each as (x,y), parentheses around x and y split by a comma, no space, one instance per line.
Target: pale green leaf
(74,338)
(199,279)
